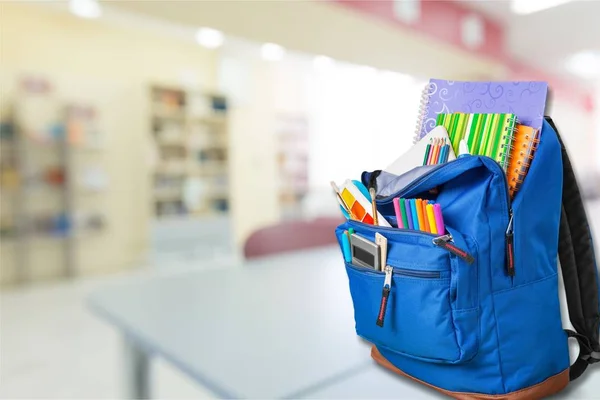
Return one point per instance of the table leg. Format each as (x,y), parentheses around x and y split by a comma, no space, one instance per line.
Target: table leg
(136,370)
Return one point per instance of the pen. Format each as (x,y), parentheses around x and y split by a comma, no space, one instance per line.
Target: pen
(374,205)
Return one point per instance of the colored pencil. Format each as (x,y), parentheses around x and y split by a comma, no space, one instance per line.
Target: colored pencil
(427,150)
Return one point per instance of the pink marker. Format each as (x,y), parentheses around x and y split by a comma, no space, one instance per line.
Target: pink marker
(396,202)
(439,219)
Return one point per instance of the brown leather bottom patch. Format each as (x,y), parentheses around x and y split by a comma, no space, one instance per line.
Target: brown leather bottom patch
(550,386)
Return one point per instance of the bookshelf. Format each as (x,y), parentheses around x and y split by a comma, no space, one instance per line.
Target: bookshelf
(42,219)
(190,137)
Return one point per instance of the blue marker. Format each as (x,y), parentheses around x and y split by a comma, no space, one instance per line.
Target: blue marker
(346,247)
(415,216)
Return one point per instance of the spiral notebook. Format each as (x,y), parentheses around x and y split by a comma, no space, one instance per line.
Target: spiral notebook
(526,100)
(486,134)
(525,142)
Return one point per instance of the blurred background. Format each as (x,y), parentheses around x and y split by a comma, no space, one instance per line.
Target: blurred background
(145,137)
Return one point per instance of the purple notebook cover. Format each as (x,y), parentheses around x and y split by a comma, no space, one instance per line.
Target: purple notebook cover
(527,100)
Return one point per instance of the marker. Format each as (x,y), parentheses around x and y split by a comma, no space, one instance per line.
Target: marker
(415,216)
(396,202)
(409,214)
(373,205)
(431,217)
(439,219)
(425,219)
(419,205)
(346,247)
(404,215)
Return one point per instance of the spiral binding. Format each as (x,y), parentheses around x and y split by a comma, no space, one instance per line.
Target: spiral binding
(520,166)
(507,148)
(423,111)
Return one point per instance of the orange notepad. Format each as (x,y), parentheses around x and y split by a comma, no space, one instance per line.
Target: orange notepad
(525,142)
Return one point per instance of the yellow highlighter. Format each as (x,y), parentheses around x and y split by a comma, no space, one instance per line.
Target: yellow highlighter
(431,218)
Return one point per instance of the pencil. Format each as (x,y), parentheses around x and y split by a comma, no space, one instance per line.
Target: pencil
(427,150)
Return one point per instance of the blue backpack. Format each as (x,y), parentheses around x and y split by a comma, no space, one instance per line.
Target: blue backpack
(476,313)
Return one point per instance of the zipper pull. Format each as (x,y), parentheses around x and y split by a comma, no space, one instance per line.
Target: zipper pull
(387,287)
(510,250)
(444,243)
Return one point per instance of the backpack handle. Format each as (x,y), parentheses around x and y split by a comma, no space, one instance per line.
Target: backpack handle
(578,265)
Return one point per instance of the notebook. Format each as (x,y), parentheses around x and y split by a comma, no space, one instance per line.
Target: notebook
(527,100)
(486,134)
(525,144)
(414,156)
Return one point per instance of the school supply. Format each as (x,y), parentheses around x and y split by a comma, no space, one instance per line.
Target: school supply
(396,203)
(527,100)
(345,210)
(415,156)
(474,312)
(346,247)
(381,241)
(524,145)
(373,206)
(409,217)
(486,134)
(365,253)
(436,152)
(358,204)
(439,219)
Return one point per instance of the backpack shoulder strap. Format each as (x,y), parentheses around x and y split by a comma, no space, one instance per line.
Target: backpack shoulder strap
(578,265)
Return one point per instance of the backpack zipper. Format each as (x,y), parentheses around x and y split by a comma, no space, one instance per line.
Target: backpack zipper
(385,295)
(510,251)
(444,243)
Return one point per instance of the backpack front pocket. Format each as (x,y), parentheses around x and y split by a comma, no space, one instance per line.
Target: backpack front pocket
(413,307)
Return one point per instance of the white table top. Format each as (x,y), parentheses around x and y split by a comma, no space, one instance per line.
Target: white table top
(273,328)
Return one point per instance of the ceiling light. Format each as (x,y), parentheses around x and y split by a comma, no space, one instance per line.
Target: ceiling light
(323,63)
(210,38)
(85,8)
(524,7)
(272,52)
(585,64)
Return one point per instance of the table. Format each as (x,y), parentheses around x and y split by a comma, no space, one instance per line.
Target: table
(279,327)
